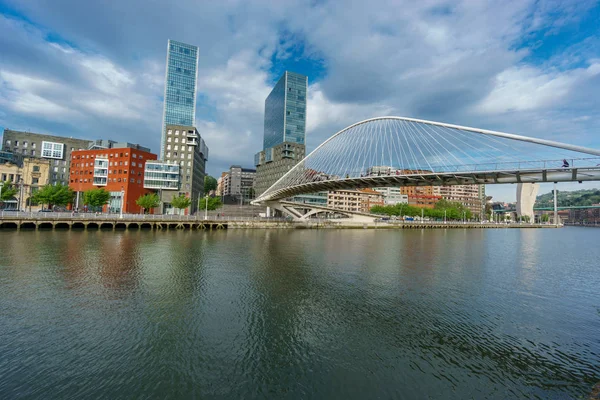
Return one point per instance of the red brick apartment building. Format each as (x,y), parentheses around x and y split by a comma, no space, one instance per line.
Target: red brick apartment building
(116,169)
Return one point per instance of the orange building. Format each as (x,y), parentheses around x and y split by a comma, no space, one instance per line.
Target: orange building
(119,170)
(424,201)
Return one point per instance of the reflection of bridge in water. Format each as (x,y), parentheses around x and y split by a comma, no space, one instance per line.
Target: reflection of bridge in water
(394,152)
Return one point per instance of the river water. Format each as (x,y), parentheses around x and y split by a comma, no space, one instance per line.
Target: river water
(353,314)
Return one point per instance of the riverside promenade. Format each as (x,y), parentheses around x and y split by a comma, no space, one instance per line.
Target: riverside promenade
(85,221)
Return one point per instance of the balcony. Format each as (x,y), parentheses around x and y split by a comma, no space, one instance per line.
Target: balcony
(100,181)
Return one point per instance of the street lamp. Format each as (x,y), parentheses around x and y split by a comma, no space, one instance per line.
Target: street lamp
(1,185)
(20,194)
(444,215)
(122,201)
(206,209)
(464,217)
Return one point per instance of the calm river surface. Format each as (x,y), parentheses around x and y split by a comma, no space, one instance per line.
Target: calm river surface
(353,314)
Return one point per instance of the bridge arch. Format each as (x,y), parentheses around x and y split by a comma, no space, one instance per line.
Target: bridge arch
(399,151)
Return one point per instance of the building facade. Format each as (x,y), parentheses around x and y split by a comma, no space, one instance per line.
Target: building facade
(354,200)
(36,174)
(184,157)
(119,170)
(587,216)
(470,196)
(10,173)
(56,149)
(180,88)
(392,195)
(275,162)
(284,130)
(238,183)
(28,177)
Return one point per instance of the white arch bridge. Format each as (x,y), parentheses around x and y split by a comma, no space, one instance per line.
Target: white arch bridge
(397,151)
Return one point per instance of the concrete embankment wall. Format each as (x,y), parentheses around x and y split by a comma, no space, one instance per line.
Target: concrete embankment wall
(240,224)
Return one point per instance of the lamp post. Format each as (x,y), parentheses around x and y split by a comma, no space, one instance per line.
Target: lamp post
(444,215)
(421,215)
(206,208)
(464,217)
(20,194)
(1,185)
(122,201)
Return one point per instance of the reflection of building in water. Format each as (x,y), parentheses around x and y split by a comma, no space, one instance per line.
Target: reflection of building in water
(526,194)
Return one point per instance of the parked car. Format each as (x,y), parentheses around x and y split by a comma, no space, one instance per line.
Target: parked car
(44,210)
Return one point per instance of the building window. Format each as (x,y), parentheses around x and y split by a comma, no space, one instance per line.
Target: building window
(8,142)
(52,150)
(169,140)
(36,168)
(24,143)
(176,133)
(169,132)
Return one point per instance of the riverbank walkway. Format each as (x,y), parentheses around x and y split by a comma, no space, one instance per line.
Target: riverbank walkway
(84,221)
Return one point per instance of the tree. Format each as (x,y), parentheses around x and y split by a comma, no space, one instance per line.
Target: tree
(210,183)
(181,202)
(545,218)
(213,203)
(8,191)
(96,197)
(57,195)
(148,201)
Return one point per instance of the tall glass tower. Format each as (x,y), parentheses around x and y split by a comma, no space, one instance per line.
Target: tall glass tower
(285,111)
(180,87)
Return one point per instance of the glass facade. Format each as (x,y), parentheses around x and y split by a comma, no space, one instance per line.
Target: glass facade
(158,175)
(180,87)
(285,111)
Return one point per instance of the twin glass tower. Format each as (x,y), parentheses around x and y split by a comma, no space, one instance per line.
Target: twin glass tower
(284,130)
(180,87)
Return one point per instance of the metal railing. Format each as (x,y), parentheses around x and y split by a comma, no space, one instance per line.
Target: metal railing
(50,216)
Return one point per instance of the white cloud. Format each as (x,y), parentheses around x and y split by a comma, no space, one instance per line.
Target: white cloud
(453,61)
(527,88)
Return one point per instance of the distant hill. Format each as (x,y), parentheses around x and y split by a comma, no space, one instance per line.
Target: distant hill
(585,197)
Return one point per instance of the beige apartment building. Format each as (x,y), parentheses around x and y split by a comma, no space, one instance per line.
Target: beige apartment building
(354,200)
(28,178)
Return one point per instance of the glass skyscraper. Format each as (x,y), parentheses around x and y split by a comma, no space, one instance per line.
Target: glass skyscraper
(285,111)
(180,87)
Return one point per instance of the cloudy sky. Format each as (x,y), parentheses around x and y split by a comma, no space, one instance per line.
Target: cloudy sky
(95,69)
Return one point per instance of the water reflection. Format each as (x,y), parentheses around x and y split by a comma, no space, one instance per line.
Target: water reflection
(279,314)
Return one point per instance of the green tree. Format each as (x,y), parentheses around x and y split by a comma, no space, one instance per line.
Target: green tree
(8,191)
(54,195)
(210,183)
(213,203)
(148,201)
(96,198)
(545,218)
(181,202)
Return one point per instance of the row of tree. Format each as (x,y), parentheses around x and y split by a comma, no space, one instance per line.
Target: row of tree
(62,195)
(443,208)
